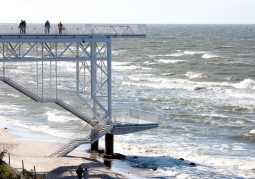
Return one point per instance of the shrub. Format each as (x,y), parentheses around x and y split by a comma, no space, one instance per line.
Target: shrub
(5,171)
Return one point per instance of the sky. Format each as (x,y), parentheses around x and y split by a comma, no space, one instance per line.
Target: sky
(129,11)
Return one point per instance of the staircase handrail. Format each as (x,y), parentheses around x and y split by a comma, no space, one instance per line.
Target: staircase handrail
(73,109)
(97,127)
(25,90)
(71,138)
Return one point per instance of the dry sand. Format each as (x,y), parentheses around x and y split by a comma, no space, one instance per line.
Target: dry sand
(37,153)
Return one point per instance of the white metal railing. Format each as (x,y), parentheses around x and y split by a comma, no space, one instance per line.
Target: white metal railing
(77,29)
(80,135)
(133,116)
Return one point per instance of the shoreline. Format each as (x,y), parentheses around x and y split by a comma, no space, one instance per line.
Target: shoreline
(36,153)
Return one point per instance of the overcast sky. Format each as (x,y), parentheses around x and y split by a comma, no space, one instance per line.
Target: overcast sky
(129,11)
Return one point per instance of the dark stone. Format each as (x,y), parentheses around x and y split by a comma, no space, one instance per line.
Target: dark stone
(181,159)
(192,164)
(101,151)
(114,156)
(154,169)
(135,157)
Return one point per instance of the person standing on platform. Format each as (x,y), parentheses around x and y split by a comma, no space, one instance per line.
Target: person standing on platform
(79,172)
(85,173)
(21,27)
(60,28)
(47,27)
(24,27)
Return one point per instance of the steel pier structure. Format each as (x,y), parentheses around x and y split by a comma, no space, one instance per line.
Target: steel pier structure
(89,48)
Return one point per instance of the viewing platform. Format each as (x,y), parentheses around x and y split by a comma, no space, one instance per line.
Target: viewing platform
(108,30)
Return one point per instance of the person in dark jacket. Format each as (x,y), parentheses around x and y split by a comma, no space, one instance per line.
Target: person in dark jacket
(79,172)
(21,27)
(24,27)
(47,27)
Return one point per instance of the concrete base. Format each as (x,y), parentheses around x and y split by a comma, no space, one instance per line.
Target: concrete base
(94,146)
(109,144)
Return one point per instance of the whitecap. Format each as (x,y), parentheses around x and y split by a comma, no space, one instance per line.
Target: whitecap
(195,75)
(177,54)
(246,84)
(170,61)
(252,131)
(209,56)
(55,116)
(120,63)
(192,52)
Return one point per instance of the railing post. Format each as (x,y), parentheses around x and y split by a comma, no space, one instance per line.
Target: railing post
(34,172)
(109,66)
(9,158)
(23,167)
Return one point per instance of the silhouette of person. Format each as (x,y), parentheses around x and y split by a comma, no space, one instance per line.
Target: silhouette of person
(85,173)
(47,27)
(21,27)
(60,28)
(24,27)
(79,172)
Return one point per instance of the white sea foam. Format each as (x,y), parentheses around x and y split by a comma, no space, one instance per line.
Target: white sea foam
(177,54)
(120,63)
(165,157)
(132,67)
(209,56)
(252,131)
(192,52)
(247,84)
(170,61)
(11,108)
(55,116)
(214,115)
(195,75)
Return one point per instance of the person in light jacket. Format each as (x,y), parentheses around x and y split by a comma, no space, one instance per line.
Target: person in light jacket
(47,27)
(85,173)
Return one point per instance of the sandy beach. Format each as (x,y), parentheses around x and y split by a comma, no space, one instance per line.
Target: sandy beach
(37,153)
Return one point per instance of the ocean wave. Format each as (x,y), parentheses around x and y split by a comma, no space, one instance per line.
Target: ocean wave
(55,116)
(214,115)
(120,63)
(219,47)
(193,52)
(166,160)
(11,108)
(252,131)
(177,54)
(132,67)
(247,84)
(207,56)
(170,61)
(195,75)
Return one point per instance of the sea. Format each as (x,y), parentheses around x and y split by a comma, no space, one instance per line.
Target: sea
(199,79)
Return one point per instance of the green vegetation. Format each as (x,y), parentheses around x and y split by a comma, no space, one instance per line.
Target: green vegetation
(7,173)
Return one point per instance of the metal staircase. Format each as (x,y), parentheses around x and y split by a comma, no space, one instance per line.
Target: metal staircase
(22,89)
(98,127)
(75,111)
(96,133)
(57,101)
